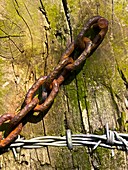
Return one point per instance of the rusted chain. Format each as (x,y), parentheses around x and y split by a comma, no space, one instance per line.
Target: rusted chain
(86,43)
(14,132)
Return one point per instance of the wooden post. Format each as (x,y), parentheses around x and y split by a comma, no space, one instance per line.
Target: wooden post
(34,34)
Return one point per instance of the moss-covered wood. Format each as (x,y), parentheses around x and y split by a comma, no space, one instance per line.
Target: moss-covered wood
(33,36)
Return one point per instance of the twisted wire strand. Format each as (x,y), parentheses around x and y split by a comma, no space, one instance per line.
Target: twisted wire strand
(110,140)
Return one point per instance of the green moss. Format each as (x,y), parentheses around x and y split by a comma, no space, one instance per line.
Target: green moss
(123,118)
(126,126)
(123,122)
(99,131)
(73,116)
(78,158)
(101,158)
(81,158)
(105,161)
(53,11)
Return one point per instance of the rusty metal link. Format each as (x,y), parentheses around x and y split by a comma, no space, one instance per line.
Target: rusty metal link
(14,132)
(85,44)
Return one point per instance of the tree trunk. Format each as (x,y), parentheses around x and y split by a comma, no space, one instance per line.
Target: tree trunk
(34,34)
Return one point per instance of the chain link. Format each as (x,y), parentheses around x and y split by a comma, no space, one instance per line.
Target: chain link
(85,44)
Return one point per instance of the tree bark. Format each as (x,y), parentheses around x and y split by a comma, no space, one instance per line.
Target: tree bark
(34,34)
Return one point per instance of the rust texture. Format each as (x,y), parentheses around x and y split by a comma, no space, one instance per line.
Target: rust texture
(85,44)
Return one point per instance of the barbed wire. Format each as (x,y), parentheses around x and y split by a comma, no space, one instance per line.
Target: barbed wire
(111,140)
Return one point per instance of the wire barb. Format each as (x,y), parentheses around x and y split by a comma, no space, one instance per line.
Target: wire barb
(69,139)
